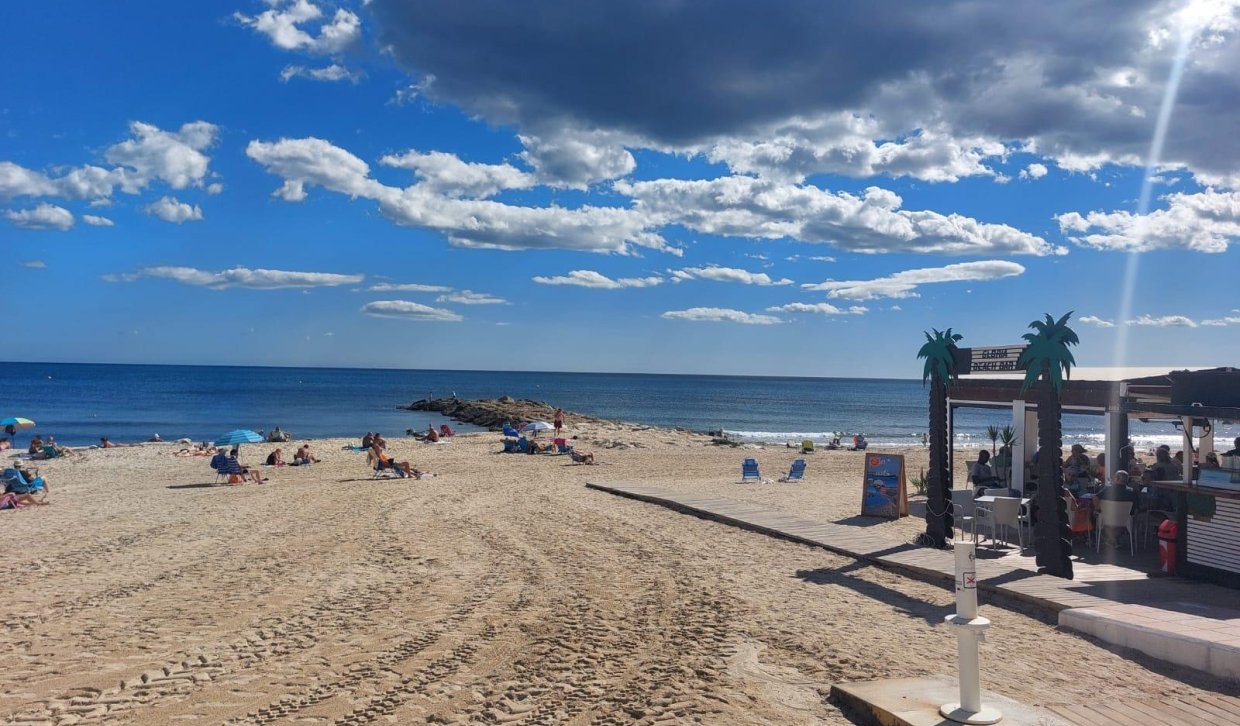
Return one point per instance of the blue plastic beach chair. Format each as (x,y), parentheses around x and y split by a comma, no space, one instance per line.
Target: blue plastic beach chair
(749,471)
(510,431)
(797,472)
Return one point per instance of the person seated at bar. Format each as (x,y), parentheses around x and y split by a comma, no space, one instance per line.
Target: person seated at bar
(1211,461)
(1235,450)
(1119,491)
(1127,457)
(1076,469)
(1099,470)
(1166,468)
(981,476)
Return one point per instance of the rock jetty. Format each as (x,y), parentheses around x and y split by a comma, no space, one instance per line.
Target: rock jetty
(492,413)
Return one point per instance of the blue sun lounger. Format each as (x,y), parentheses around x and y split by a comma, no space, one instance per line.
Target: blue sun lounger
(749,471)
(797,472)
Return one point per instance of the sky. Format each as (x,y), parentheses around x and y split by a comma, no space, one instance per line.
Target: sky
(793,188)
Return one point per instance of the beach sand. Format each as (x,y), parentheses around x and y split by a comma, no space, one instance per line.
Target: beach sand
(499,591)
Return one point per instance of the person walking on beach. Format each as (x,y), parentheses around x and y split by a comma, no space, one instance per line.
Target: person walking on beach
(558,421)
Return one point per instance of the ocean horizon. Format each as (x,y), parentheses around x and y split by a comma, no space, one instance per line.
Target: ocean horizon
(80,402)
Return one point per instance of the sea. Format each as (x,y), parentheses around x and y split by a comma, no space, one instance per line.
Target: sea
(79,403)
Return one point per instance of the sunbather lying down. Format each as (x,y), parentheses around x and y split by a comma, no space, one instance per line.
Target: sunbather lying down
(380,460)
(582,457)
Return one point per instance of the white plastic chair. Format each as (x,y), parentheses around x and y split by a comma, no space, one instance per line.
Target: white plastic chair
(1116,514)
(1006,514)
(963,510)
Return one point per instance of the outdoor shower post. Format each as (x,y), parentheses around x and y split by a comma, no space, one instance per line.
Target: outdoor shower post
(970,630)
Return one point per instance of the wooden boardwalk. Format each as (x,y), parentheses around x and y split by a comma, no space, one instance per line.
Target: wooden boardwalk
(1097,587)
(1094,586)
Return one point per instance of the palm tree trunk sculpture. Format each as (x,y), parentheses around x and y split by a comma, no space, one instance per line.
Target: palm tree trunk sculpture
(939,352)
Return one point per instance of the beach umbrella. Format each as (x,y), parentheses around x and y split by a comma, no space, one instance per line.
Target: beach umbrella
(536,426)
(16,423)
(238,437)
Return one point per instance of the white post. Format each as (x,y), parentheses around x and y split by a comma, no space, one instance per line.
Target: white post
(1112,444)
(970,630)
(1018,447)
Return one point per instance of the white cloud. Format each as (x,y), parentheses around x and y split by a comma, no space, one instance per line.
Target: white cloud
(590,278)
(213,189)
(1207,221)
(282,24)
(406,310)
(407,287)
(97,221)
(873,222)
(174,157)
(44,216)
(34,264)
(821,258)
(819,308)
(258,279)
(466,222)
(1095,320)
(469,297)
(575,159)
(1033,171)
(331,73)
(447,174)
(170,209)
(721,315)
(727,274)
(1220,322)
(904,284)
(1164,321)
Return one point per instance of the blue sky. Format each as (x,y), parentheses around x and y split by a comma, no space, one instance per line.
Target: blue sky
(671,188)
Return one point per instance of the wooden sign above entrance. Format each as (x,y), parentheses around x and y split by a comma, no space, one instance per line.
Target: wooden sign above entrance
(995,359)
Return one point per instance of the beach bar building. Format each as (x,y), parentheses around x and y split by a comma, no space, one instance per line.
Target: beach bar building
(1194,402)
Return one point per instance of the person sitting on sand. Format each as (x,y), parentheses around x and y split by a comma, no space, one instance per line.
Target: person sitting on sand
(582,457)
(304,457)
(276,458)
(104,443)
(233,467)
(36,445)
(5,444)
(155,439)
(432,436)
(11,500)
(380,460)
(20,481)
(367,440)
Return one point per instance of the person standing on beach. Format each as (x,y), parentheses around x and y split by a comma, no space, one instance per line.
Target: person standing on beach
(558,421)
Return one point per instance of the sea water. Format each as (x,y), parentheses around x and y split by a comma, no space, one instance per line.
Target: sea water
(78,403)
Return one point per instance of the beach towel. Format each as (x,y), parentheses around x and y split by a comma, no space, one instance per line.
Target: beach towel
(8,500)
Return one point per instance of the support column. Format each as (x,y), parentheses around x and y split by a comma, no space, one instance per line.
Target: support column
(951,443)
(1018,446)
(1187,423)
(1116,436)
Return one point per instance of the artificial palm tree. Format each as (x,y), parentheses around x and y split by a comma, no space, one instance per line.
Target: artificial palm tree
(992,433)
(939,352)
(1048,361)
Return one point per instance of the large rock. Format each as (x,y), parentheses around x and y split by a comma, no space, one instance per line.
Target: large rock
(493,413)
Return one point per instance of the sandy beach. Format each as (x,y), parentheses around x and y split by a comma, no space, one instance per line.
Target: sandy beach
(499,591)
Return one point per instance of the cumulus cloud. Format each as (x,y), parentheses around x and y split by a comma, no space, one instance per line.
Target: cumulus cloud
(573,158)
(406,310)
(283,25)
(331,73)
(904,284)
(1208,221)
(933,91)
(721,315)
(176,158)
(469,297)
(1095,320)
(1033,171)
(477,223)
(407,287)
(818,308)
(258,279)
(44,216)
(447,174)
(597,280)
(727,274)
(1164,321)
(97,221)
(170,209)
(873,222)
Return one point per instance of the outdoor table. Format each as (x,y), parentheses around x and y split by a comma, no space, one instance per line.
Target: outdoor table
(1024,501)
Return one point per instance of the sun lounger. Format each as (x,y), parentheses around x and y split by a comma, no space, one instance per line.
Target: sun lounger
(807,446)
(749,471)
(797,472)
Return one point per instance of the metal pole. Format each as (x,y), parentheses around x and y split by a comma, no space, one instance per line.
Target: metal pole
(970,630)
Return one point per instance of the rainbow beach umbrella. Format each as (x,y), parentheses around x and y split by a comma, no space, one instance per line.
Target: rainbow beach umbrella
(17,422)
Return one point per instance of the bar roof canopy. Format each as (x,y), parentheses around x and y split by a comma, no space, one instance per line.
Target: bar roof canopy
(1212,393)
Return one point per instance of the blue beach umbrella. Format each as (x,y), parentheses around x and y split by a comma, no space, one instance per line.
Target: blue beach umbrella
(238,437)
